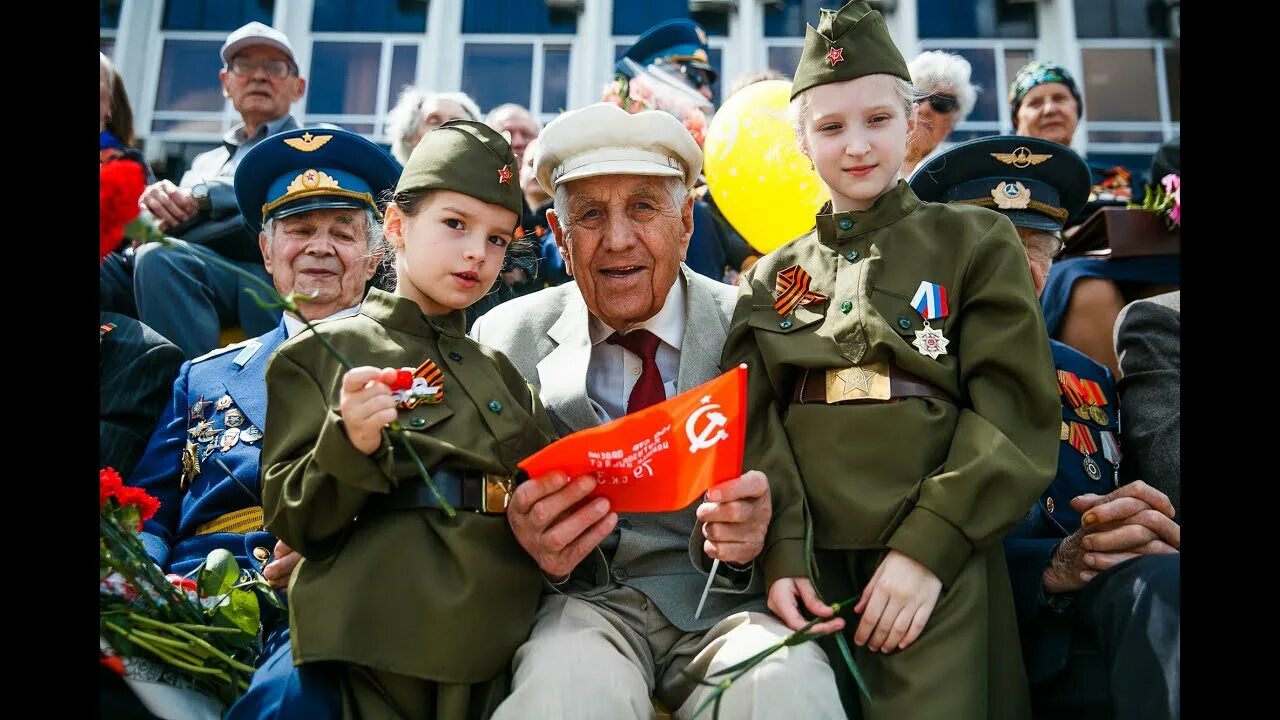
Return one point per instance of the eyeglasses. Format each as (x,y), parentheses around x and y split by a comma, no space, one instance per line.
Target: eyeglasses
(696,76)
(941,102)
(276,69)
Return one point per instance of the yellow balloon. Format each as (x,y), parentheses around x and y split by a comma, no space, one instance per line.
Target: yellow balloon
(758,177)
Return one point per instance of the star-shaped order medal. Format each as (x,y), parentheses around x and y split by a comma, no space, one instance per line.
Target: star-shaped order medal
(190,465)
(930,342)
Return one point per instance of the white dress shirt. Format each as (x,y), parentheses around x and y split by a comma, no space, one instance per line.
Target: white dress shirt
(614,370)
(293,325)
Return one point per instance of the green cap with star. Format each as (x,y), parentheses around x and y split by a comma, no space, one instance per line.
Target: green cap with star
(467,157)
(848,43)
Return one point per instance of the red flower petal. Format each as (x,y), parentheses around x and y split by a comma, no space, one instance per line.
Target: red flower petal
(120,184)
(109,485)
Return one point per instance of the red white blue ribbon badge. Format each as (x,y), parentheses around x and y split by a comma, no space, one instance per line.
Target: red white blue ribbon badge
(930,300)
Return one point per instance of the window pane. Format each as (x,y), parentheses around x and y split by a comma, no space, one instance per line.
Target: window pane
(215,14)
(633,18)
(107,46)
(983,62)
(493,73)
(187,125)
(109,13)
(784,59)
(713,57)
(1014,60)
(521,17)
(1126,136)
(189,76)
(976,19)
(714,22)
(1120,85)
(1121,19)
(369,16)
(404,68)
(555,79)
(1173,73)
(344,78)
(788,18)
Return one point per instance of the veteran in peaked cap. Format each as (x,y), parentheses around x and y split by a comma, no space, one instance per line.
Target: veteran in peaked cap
(312,169)
(1037,183)
(679,41)
(604,139)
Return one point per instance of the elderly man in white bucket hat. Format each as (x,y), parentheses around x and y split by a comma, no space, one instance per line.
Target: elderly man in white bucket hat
(619,622)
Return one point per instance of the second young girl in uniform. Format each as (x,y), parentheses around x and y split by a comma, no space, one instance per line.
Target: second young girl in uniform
(419,612)
(902,399)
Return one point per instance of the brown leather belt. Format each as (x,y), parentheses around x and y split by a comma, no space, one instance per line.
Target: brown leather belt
(464,489)
(866,383)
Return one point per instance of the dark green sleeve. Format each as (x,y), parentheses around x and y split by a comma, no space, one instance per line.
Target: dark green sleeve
(314,481)
(1005,448)
(766,447)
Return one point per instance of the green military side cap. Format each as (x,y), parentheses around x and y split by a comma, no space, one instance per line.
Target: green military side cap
(848,43)
(467,157)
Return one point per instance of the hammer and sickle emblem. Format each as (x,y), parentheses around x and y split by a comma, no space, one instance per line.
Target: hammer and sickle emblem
(711,432)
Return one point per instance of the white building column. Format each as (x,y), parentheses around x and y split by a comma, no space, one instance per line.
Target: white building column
(1056,21)
(744,51)
(440,58)
(136,33)
(904,27)
(293,18)
(591,59)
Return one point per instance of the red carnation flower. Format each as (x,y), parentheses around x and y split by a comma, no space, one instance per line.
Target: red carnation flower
(147,505)
(109,485)
(403,381)
(120,184)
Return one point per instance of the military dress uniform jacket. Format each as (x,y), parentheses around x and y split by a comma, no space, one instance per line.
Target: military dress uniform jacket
(1045,625)
(202,459)
(410,592)
(135,367)
(660,554)
(931,478)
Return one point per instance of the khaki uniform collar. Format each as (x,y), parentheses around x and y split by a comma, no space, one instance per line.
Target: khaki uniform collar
(404,314)
(888,209)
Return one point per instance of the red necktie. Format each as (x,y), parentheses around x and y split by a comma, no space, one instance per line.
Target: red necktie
(648,389)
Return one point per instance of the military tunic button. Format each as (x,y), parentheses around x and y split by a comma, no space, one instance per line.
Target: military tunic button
(455,356)
(846,224)
(1048,504)
(261,553)
(904,322)
(620,575)
(845,307)
(851,256)
(784,324)
(495,406)
(417,422)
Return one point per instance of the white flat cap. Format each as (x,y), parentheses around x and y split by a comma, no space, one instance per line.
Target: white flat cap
(604,139)
(255,33)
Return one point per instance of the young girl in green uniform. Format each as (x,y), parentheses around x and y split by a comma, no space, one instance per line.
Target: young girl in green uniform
(421,612)
(902,399)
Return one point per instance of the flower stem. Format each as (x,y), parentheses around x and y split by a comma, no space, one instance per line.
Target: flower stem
(218,654)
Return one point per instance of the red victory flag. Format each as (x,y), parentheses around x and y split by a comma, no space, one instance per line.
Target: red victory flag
(661,458)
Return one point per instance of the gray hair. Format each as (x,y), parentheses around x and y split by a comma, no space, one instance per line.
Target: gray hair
(403,119)
(908,95)
(939,71)
(493,114)
(673,185)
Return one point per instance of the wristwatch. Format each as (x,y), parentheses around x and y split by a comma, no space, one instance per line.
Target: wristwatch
(200,193)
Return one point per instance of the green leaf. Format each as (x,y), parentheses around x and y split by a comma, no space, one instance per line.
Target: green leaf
(220,573)
(848,661)
(239,609)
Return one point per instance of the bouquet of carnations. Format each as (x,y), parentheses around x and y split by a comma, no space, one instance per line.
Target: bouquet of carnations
(204,630)
(1164,199)
(657,87)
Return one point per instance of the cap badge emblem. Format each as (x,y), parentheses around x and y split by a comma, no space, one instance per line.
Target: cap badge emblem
(1011,196)
(308,142)
(310,179)
(1021,157)
(504,175)
(835,55)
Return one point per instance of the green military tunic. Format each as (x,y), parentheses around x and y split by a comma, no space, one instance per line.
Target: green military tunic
(410,593)
(939,480)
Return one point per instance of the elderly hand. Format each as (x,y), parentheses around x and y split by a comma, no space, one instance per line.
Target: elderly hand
(736,516)
(1132,520)
(278,571)
(169,204)
(367,406)
(554,526)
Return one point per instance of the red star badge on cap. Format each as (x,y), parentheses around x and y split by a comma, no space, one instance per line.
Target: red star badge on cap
(835,55)
(504,175)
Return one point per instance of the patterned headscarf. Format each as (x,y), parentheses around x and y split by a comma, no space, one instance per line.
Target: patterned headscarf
(1035,73)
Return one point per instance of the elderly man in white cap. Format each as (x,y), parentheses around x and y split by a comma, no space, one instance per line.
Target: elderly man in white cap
(185,299)
(618,623)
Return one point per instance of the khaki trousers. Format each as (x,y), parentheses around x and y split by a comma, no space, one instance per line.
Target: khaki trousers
(604,657)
